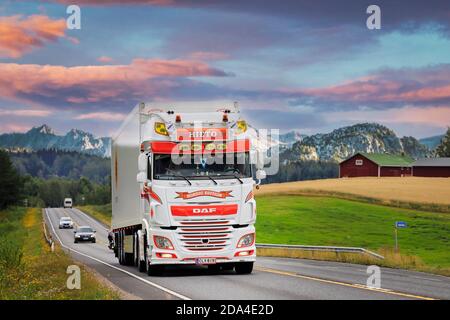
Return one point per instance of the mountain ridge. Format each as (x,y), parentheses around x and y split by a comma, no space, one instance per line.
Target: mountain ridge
(44,138)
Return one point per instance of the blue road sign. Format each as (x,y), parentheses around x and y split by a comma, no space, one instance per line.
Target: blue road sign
(400,224)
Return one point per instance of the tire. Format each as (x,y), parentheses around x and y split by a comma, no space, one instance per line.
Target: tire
(139,263)
(75,241)
(93,241)
(214,267)
(244,267)
(155,270)
(227,266)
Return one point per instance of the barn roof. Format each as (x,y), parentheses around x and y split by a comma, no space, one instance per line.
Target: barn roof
(432,162)
(387,160)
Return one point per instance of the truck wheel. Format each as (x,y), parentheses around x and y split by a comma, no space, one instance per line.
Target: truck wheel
(141,263)
(227,266)
(155,270)
(244,267)
(214,267)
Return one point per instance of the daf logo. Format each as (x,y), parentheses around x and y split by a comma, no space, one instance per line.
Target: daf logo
(204,210)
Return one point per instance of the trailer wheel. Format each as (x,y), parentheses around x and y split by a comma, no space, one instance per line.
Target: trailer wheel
(244,267)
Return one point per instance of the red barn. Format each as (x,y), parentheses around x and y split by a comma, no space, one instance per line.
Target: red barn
(375,165)
(432,167)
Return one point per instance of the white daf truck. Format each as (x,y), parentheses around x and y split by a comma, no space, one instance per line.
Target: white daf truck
(182,188)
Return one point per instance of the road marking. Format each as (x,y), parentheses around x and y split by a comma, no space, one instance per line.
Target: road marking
(182,297)
(358,286)
(77,226)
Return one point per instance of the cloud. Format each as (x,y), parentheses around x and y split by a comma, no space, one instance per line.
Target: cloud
(384,89)
(208,55)
(405,14)
(102,116)
(62,86)
(105,59)
(20,35)
(26,113)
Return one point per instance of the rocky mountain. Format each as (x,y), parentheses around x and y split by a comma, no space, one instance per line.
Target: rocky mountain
(432,142)
(344,142)
(44,138)
(288,139)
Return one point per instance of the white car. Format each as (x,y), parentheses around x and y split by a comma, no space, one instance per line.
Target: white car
(65,222)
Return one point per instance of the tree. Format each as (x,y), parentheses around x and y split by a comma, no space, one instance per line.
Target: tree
(443,150)
(10,182)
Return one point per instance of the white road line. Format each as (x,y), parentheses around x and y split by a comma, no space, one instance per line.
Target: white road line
(116,268)
(90,218)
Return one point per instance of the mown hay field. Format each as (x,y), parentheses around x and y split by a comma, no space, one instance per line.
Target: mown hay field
(391,191)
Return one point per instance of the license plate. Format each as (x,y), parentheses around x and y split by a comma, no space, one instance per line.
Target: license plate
(205,261)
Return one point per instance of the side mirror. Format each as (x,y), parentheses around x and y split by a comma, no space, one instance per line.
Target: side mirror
(94,231)
(141,177)
(260,174)
(74,231)
(142,162)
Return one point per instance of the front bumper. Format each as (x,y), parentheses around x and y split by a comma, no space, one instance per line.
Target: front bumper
(186,256)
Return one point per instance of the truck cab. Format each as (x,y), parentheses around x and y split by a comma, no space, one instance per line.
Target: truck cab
(194,180)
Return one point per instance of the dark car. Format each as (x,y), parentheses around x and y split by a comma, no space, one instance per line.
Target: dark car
(84,233)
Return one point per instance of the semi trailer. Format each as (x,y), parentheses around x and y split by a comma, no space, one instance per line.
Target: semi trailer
(182,188)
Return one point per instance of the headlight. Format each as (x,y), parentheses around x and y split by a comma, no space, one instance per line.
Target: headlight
(162,243)
(246,241)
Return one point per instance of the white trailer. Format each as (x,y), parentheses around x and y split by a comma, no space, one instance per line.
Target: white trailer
(182,188)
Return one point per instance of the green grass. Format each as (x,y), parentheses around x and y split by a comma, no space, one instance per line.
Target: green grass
(322,220)
(29,270)
(329,221)
(100,212)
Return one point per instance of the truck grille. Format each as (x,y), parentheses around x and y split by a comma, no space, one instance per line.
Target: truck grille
(205,234)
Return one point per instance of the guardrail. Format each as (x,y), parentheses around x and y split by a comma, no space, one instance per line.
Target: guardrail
(320,248)
(48,238)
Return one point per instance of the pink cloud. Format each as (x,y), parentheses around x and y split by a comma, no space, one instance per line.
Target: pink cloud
(12,127)
(389,88)
(105,59)
(208,55)
(50,84)
(26,113)
(104,116)
(438,116)
(19,35)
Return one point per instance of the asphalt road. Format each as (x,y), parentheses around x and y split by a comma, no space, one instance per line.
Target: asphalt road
(272,278)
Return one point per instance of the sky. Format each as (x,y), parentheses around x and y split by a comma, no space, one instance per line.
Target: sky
(313,66)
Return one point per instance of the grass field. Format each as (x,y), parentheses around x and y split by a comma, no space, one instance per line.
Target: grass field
(329,221)
(430,194)
(100,212)
(29,270)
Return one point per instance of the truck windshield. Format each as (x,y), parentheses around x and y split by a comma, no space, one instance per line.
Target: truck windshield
(219,166)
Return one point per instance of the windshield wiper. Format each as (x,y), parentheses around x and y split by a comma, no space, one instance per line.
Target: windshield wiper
(181,176)
(215,182)
(233,175)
